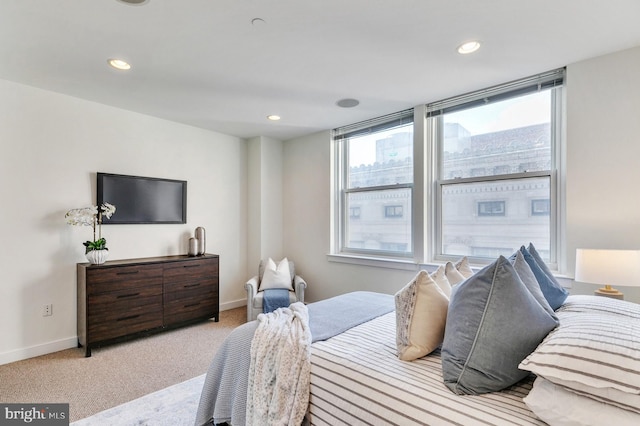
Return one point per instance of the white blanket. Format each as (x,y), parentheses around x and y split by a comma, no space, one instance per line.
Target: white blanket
(278,386)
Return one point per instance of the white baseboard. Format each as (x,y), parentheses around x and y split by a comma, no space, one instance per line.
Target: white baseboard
(232,305)
(72,342)
(37,350)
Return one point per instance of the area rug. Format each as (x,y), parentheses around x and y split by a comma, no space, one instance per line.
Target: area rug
(172,406)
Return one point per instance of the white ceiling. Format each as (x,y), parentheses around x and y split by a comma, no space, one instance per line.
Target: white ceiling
(203,62)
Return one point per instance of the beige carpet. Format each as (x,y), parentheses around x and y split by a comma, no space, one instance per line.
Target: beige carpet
(117,373)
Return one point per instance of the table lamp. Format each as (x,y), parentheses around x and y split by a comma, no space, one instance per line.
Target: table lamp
(609,268)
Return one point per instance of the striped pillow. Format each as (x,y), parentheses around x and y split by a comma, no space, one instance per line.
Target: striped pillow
(595,350)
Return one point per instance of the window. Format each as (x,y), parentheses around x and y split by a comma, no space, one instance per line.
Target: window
(393,211)
(376,181)
(484,180)
(491,208)
(540,207)
(502,144)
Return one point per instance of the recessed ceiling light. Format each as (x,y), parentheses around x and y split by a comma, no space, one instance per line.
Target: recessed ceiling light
(348,103)
(273,117)
(119,64)
(468,47)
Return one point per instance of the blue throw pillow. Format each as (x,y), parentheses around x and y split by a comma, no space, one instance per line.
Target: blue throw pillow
(529,280)
(552,290)
(493,323)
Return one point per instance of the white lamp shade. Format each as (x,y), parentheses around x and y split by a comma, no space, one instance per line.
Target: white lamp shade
(608,267)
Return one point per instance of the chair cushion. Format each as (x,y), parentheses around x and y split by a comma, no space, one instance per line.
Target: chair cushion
(276,276)
(263,264)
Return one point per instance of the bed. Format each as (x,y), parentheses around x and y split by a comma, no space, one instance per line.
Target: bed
(584,371)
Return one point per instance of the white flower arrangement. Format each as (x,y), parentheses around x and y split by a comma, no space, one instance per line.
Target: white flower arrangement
(91,216)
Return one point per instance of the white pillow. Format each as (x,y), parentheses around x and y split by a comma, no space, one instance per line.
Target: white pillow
(421,315)
(440,278)
(558,406)
(276,276)
(453,275)
(463,267)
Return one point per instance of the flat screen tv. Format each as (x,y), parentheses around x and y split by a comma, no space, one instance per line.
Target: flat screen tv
(143,199)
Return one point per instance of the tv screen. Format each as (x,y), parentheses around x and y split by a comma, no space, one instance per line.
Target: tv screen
(143,199)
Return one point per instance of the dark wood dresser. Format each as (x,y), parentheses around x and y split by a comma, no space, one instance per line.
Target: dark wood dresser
(122,299)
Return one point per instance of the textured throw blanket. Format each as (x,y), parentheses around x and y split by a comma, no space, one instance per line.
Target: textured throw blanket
(224,394)
(278,387)
(274,298)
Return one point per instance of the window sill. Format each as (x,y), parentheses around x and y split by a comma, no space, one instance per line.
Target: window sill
(378,262)
(411,265)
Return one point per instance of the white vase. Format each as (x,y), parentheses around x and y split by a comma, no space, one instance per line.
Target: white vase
(97,257)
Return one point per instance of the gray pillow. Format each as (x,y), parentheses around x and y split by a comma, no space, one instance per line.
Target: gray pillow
(552,290)
(493,323)
(529,280)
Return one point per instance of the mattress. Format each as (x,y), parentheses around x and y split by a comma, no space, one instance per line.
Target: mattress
(357,379)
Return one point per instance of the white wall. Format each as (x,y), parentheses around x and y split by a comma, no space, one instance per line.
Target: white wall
(52,147)
(265,201)
(603,152)
(603,148)
(307,214)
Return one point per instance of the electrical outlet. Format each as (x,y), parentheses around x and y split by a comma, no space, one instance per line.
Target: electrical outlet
(47,310)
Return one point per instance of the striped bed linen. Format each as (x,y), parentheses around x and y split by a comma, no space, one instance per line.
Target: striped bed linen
(357,379)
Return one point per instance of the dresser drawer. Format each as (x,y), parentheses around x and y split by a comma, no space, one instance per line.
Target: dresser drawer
(199,286)
(100,280)
(190,269)
(190,307)
(105,321)
(180,276)
(122,300)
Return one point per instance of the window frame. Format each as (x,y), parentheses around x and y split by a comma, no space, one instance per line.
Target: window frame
(340,139)
(425,215)
(554,80)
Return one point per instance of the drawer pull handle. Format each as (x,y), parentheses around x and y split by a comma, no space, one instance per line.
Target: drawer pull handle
(128,318)
(191,304)
(191,285)
(122,296)
(191,266)
(127,273)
